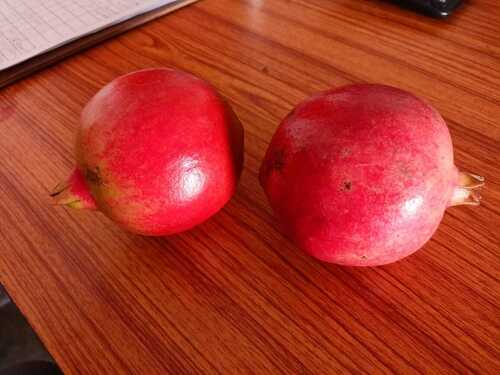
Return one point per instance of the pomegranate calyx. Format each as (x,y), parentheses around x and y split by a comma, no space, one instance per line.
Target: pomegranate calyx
(467,191)
(74,192)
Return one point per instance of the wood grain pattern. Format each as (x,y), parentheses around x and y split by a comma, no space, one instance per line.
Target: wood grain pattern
(233,296)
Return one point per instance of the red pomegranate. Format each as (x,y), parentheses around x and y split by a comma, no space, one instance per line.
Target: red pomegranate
(362,175)
(158,151)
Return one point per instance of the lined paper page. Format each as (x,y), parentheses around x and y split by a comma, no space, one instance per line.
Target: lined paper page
(31,27)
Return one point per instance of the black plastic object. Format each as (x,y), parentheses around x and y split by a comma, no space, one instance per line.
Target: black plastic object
(33,368)
(21,352)
(435,8)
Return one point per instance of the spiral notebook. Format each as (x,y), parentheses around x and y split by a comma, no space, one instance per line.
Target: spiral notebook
(35,28)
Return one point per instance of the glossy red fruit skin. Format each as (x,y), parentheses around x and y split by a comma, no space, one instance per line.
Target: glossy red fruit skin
(360,175)
(160,151)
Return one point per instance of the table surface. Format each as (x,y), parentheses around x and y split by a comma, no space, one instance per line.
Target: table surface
(233,295)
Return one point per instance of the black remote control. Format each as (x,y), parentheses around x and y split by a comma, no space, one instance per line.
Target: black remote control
(436,8)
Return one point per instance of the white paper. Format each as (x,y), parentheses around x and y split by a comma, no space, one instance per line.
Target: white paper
(31,27)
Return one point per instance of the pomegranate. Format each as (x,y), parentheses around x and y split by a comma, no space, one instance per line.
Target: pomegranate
(158,151)
(361,175)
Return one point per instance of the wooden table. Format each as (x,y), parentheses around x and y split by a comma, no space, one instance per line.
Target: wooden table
(234,296)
